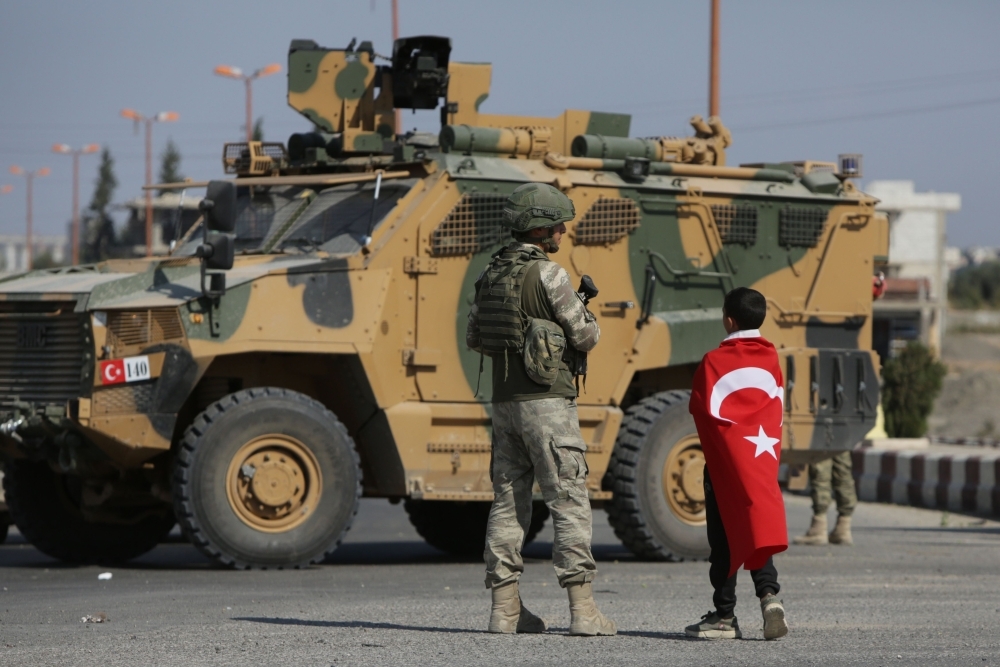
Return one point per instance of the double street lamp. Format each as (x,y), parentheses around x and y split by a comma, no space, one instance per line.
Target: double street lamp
(30,175)
(76,153)
(247,79)
(162,117)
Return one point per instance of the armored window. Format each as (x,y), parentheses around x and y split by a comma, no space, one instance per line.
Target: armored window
(471,226)
(609,219)
(801,226)
(736,224)
(254,220)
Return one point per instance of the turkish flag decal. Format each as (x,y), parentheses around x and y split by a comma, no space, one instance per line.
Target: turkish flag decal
(130,369)
(113,372)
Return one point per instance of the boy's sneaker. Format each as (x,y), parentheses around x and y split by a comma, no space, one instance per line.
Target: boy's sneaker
(774,617)
(713,627)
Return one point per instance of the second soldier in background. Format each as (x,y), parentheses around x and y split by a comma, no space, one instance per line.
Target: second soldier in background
(537,330)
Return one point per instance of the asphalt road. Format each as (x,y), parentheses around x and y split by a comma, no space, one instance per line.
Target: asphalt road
(919,588)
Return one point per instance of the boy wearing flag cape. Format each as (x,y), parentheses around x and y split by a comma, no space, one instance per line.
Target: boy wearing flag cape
(737,400)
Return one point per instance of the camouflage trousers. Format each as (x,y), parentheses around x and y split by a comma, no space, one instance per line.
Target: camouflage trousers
(833,477)
(538,440)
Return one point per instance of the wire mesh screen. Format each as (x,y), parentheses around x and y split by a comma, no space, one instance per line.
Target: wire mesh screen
(737,224)
(609,219)
(237,158)
(801,226)
(471,226)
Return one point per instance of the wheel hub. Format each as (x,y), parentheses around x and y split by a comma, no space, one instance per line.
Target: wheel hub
(684,480)
(273,483)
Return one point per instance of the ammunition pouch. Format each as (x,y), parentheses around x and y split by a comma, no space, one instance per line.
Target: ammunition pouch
(544,348)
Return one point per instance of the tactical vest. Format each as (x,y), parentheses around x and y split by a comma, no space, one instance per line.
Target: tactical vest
(501,319)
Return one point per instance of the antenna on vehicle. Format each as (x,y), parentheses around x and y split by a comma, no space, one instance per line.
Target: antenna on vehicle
(371,219)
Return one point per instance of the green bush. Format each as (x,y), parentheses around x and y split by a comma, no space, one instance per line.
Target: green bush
(976,286)
(910,383)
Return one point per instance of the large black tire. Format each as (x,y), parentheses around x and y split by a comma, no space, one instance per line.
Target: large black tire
(459,529)
(5,522)
(295,443)
(656,431)
(45,507)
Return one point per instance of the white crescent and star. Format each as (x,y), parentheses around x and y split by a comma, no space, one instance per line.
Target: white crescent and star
(749,377)
(111,372)
(764,443)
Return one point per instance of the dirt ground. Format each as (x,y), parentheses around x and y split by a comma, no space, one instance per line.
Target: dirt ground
(969,403)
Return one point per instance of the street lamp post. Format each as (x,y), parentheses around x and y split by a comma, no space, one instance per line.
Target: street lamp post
(76,153)
(237,73)
(30,175)
(162,117)
(6,189)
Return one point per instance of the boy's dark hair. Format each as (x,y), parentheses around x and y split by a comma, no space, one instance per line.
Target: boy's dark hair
(746,306)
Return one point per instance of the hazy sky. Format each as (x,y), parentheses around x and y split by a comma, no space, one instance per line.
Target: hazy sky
(913,85)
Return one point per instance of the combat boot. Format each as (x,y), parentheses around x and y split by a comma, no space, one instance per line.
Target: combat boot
(585,619)
(774,617)
(841,533)
(508,614)
(816,535)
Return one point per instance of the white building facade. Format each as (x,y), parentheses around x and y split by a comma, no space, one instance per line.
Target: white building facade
(915,303)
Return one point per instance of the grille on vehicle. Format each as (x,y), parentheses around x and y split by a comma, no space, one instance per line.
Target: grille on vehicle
(737,224)
(801,226)
(123,399)
(472,225)
(41,352)
(140,328)
(609,219)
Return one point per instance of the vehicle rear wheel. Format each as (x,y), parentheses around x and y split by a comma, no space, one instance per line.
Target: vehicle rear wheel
(46,507)
(460,528)
(266,477)
(657,474)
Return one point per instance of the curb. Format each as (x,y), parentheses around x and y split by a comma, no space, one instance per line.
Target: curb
(968,483)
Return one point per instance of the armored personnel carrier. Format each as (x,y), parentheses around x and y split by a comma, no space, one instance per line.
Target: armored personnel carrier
(303,345)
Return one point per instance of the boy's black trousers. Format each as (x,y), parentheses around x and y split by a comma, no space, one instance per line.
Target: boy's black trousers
(765,580)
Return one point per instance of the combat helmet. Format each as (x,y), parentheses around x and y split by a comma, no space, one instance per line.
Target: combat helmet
(535,205)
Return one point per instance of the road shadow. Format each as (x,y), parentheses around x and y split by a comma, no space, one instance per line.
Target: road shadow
(367,625)
(971,530)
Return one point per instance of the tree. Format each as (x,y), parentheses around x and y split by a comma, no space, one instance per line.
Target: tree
(910,383)
(976,286)
(170,165)
(258,130)
(98,227)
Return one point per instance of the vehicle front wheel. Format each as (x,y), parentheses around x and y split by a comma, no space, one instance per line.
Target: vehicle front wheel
(459,528)
(266,477)
(48,508)
(657,474)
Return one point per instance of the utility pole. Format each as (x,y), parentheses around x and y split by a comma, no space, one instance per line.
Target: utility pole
(162,117)
(395,36)
(237,73)
(713,63)
(30,175)
(76,153)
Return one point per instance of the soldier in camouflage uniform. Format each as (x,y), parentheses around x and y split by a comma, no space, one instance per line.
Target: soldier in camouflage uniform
(831,475)
(528,318)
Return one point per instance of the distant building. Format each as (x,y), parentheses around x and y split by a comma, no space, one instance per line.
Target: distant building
(14,251)
(915,303)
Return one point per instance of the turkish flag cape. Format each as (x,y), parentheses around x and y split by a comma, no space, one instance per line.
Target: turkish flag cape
(737,402)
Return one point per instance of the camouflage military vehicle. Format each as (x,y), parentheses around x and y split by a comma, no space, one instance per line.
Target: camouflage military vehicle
(304,346)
